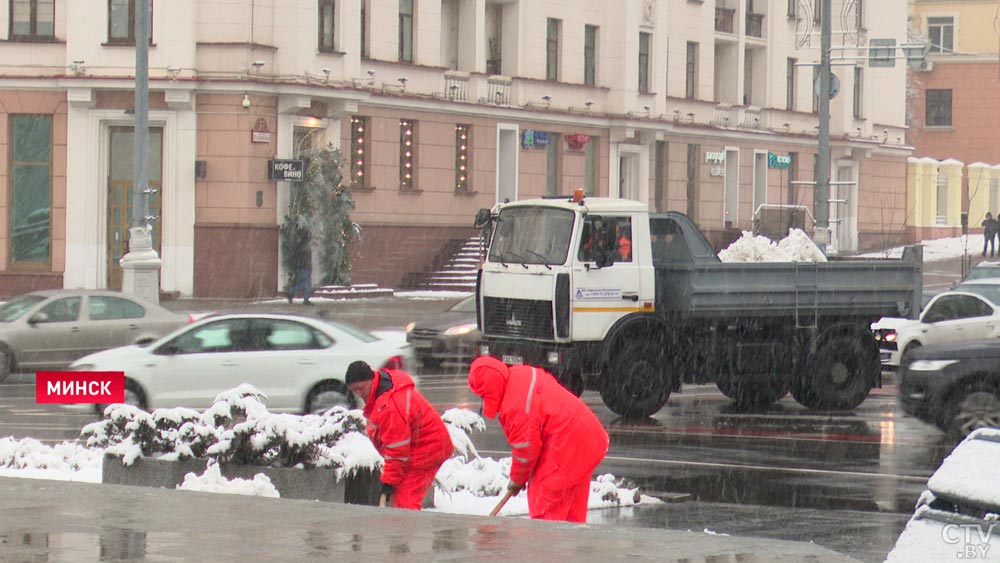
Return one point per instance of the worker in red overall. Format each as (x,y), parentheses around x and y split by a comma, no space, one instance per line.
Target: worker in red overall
(405,429)
(556,441)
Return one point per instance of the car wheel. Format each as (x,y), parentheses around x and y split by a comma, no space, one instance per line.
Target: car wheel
(134,395)
(6,362)
(975,405)
(907,356)
(327,395)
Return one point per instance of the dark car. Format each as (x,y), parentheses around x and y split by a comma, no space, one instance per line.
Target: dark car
(955,386)
(450,336)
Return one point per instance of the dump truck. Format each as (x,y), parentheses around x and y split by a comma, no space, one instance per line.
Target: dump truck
(610,297)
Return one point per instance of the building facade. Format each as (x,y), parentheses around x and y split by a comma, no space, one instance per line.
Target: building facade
(440,107)
(955,171)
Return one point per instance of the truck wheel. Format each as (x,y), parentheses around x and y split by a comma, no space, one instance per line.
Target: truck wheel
(839,375)
(752,393)
(636,383)
(573,382)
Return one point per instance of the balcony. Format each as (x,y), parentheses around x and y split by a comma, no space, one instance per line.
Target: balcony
(724,18)
(755,25)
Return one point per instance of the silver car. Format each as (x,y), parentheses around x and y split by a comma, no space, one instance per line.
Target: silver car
(50,329)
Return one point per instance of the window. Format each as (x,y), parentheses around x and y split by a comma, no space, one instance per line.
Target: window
(406,30)
(941,33)
(590,55)
(691,71)
(463,160)
(815,97)
(792,11)
(590,156)
(32,20)
(326,18)
(860,14)
(859,92)
(218,337)
(790,84)
(942,199)
(552,49)
(30,188)
(103,308)
(65,310)
(289,335)
(359,151)
(994,195)
(407,153)
(364,29)
(938,110)
(121,21)
(552,164)
(692,170)
(644,40)
(817,11)
(793,176)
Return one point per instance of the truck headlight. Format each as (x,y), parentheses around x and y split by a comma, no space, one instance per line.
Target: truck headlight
(409,327)
(484,350)
(553,357)
(459,330)
(931,365)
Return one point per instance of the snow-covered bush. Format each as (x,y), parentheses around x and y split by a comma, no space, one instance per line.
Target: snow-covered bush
(237,428)
(28,453)
(461,422)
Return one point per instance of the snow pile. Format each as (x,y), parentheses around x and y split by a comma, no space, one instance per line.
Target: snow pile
(63,461)
(970,472)
(796,247)
(212,481)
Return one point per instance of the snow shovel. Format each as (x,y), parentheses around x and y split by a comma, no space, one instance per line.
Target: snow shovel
(503,501)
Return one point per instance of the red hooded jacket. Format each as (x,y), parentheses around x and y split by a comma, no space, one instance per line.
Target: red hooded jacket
(553,436)
(405,428)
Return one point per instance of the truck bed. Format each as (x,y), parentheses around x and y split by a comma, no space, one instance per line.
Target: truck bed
(699,285)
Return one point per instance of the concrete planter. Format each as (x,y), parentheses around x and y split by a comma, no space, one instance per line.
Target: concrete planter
(362,487)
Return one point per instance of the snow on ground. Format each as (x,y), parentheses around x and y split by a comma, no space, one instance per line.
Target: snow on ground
(432,294)
(938,249)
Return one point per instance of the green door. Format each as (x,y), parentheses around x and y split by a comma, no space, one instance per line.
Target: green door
(120,195)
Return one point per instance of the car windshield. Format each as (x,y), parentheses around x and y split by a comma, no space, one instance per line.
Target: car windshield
(467,305)
(17,307)
(532,235)
(354,331)
(988,290)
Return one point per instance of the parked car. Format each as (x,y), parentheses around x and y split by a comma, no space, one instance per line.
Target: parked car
(955,386)
(50,329)
(298,362)
(969,312)
(451,335)
(985,269)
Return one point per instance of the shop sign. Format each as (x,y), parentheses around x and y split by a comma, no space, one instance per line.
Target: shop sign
(260,132)
(718,156)
(779,161)
(286,170)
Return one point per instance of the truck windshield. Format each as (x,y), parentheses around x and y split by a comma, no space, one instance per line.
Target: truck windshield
(532,235)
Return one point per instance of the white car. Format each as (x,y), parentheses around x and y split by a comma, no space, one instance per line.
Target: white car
(298,362)
(971,311)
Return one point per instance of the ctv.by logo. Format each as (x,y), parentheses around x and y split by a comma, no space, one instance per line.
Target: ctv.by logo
(974,537)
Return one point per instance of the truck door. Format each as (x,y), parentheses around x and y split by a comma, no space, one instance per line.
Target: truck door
(606,276)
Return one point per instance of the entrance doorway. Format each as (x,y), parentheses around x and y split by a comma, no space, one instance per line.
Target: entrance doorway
(507,154)
(120,177)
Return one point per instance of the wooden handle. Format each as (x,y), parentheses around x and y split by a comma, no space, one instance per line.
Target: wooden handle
(382,501)
(502,502)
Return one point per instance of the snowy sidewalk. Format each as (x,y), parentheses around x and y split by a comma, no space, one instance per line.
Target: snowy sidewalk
(82,522)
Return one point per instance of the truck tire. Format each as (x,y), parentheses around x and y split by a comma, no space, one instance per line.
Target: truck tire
(840,374)
(752,393)
(636,382)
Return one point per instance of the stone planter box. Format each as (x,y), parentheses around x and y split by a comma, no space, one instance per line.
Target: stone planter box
(362,487)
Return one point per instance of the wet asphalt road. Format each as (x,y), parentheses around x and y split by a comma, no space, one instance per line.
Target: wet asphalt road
(847,481)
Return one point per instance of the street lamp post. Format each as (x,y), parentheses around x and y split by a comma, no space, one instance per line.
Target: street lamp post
(141,265)
(821,203)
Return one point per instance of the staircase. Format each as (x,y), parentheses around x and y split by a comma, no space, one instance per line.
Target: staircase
(459,270)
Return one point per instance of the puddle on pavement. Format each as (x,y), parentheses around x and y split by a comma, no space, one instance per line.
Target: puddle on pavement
(109,544)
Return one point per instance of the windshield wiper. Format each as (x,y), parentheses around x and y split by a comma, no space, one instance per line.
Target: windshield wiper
(540,257)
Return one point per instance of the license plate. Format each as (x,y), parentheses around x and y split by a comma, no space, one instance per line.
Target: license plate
(512,360)
(884,356)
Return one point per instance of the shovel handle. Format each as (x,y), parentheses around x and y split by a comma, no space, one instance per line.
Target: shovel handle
(382,501)
(502,502)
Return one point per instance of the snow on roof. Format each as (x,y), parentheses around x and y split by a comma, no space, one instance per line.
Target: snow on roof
(592,204)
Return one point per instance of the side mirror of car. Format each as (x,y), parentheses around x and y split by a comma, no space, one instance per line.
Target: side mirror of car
(38,318)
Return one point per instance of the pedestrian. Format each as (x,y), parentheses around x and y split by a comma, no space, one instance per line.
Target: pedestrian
(990,233)
(303,279)
(556,441)
(405,429)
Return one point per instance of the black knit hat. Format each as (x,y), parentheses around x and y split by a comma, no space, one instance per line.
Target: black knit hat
(358,371)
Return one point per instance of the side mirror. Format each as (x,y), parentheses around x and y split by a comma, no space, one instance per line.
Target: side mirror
(483,217)
(38,318)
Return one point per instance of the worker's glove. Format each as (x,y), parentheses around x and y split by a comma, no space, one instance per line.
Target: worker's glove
(387,492)
(514,488)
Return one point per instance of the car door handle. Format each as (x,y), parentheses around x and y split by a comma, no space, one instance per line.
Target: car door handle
(133,327)
(630,296)
(307,362)
(74,329)
(229,363)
